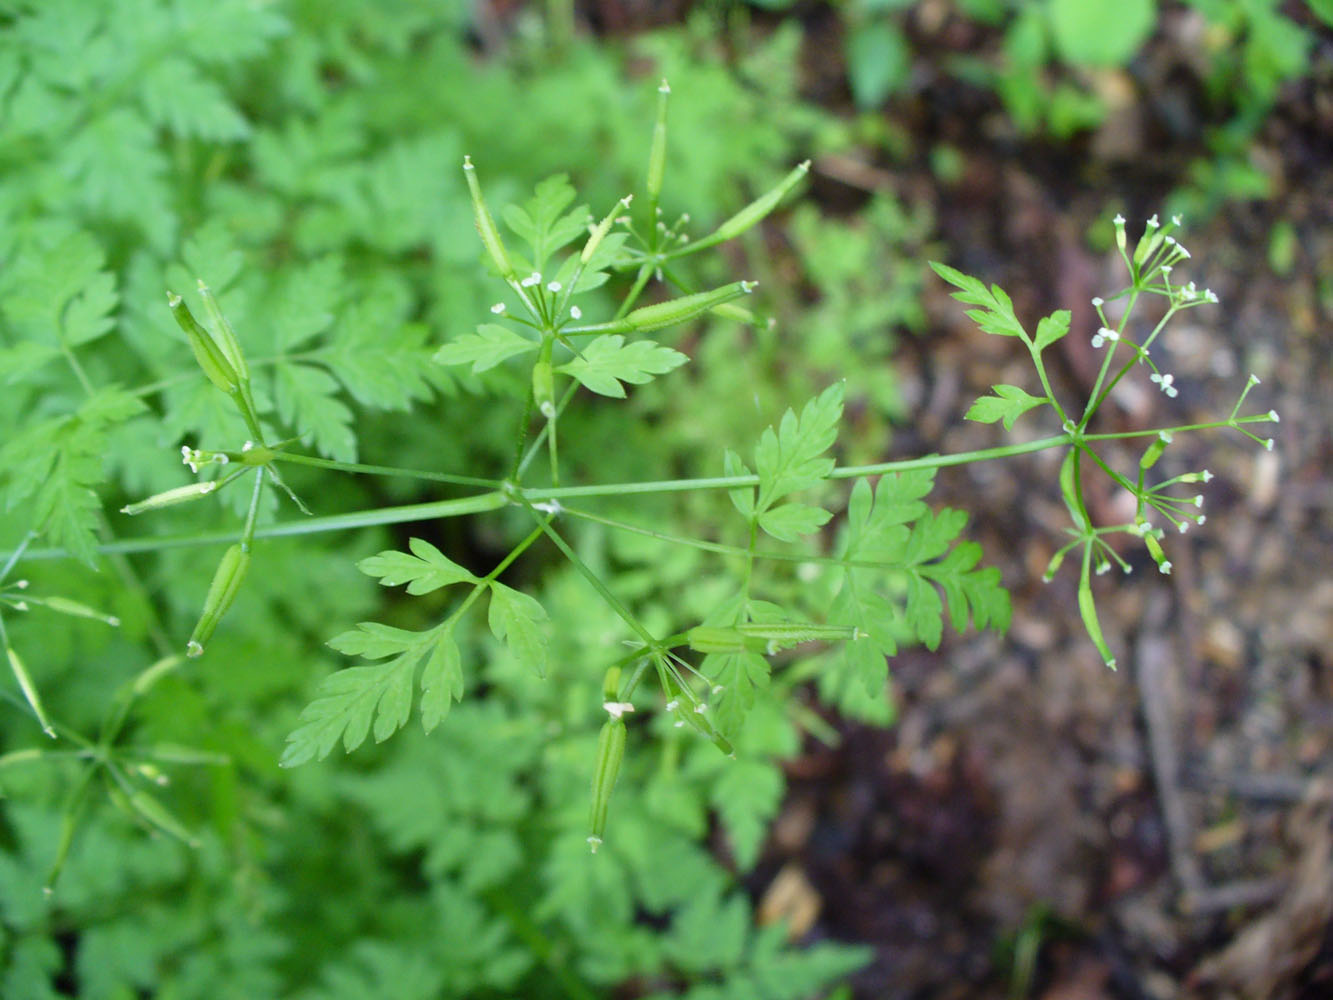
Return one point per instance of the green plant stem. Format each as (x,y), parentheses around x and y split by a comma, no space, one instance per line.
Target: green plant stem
(612,601)
(384,470)
(494,499)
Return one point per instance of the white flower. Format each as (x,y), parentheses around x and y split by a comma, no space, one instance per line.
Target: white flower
(554,286)
(498,308)
(1153,223)
(1176,221)
(1119,219)
(575,312)
(616,709)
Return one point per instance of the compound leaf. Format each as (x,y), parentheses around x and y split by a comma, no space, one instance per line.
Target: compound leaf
(790,458)
(424,570)
(792,520)
(1051,329)
(517,619)
(490,345)
(359,700)
(996,314)
(1008,404)
(608,361)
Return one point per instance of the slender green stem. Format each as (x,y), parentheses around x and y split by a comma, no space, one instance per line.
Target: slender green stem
(384,470)
(1097,396)
(614,602)
(306,526)
(248,530)
(1257,418)
(1045,381)
(537,442)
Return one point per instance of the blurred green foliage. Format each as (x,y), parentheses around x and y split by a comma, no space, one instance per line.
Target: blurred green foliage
(302,158)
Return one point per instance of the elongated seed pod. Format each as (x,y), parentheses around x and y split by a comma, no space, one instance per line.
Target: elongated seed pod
(686,307)
(657,153)
(221,592)
(543,391)
(603,227)
(170,498)
(212,360)
(1154,451)
(223,333)
(796,632)
(610,752)
(29,690)
(486,229)
(1088,610)
(715,639)
(754,212)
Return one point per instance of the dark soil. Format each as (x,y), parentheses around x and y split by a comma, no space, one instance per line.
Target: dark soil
(1036,825)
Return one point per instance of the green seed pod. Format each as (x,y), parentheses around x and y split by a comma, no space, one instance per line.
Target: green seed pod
(611,684)
(257,455)
(1088,610)
(610,752)
(76,609)
(754,212)
(1148,243)
(686,307)
(221,592)
(223,333)
(603,227)
(1155,550)
(1053,566)
(657,154)
(145,807)
(486,229)
(212,360)
(1154,451)
(714,639)
(171,498)
(29,690)
(543,391)
(794,633)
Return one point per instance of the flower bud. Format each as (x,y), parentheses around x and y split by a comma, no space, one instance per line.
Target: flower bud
(221,592)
